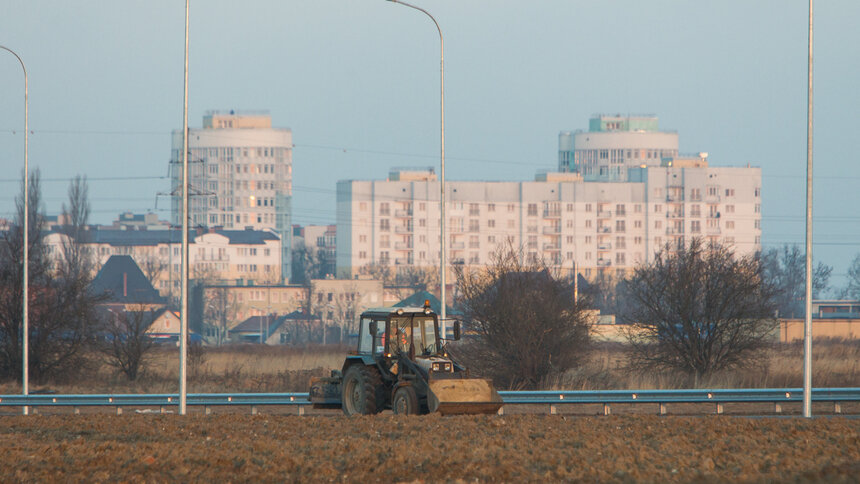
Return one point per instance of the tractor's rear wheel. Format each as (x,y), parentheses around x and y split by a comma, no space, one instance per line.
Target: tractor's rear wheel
(405,401)
(362,387)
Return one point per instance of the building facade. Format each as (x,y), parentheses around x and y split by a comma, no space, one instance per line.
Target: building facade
(240,175)
(598,226)
(236,256)
(614,144)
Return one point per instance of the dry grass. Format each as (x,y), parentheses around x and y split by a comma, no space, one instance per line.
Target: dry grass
(251,368)
(234,368)
(834,364)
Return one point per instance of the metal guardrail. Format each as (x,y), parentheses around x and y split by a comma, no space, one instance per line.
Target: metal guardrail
(777,396)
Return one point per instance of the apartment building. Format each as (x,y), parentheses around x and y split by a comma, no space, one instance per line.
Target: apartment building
(237,256)
(607,226)
(321,240)
(614,144)
(240,175)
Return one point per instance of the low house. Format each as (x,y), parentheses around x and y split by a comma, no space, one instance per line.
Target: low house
(124,285)
(295,328)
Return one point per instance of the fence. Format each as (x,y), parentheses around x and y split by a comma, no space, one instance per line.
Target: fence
(661,398)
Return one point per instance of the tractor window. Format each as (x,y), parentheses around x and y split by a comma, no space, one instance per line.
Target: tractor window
(427,345)
(401,329)
(365,339)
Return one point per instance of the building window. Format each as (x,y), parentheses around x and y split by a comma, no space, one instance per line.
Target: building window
(532,209)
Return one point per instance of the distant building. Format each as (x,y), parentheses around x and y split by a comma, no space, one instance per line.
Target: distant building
(138,221)
(614,144)
(322,240)
(600,226)
(240,176)
(215,255)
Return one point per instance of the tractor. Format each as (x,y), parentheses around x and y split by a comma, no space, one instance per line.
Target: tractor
(402,364)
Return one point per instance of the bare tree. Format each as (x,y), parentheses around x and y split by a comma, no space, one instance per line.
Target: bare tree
(126,343)
(528,325)
(852,290)
(785,269)
(152,267)
(379,271)
(698,309)
(61,304)
(307,264)
(220,312)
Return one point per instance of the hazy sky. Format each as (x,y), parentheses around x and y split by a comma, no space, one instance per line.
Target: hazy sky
(357,81)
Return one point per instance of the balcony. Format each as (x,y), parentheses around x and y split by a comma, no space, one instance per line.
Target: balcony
(604,262)
(675,214)
(403,245)
(402,261)
(712,199)
(604,246)
(713,231)
(458,245)
(604,229)
(551,230)
(552,213)
(674,230)
(551,247)
(674,197)
(403,229)
(403,213)
(604,214)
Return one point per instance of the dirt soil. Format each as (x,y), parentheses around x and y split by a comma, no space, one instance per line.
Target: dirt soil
(388,448)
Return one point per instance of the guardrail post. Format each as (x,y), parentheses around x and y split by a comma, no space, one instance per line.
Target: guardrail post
(552,410)
(606,409)
(77,410)
(502,410)
(719,408)
(207,410)
(253,410)
(662,409)
(119,410)
(777,407)
(837,407)
(35,411)
(301,409)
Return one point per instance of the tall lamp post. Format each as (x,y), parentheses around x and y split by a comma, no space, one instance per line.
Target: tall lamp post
(807,324)
(26,303)
(183,321)
(443,260)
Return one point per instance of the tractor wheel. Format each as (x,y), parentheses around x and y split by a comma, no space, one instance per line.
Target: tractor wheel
(405,401)
(362,387)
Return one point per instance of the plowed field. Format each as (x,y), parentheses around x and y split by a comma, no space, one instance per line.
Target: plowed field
(388,448)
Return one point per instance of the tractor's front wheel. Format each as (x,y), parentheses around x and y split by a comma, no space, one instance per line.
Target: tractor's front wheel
(362,386)
(405,401)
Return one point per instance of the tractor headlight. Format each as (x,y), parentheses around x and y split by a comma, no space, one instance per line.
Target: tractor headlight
(446,367)
(437,366)
(441,366)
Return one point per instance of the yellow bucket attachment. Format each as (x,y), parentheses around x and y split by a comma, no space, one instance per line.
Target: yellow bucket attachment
(463,396)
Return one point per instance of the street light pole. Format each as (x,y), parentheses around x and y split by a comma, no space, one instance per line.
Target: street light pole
(26,303)
(807,324)
(443,260)
(183,322)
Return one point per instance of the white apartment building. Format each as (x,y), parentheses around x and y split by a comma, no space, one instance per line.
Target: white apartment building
(240,175)
(243,257)
(595,226)
(614,144)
